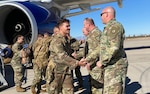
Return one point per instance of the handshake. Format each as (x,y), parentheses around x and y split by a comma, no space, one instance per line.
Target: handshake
(82,62)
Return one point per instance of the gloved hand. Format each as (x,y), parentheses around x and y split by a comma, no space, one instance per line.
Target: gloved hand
(25,46)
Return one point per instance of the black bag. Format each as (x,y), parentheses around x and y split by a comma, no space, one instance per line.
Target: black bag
(96,84)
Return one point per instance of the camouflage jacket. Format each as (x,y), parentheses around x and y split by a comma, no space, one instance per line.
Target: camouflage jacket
(41,51)
(44,51)
(36,47)
(17,57)
(111,46)
(92,41)
(60,49)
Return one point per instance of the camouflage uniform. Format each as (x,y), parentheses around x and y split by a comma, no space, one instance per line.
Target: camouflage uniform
(41,54)
(113,57)
(75,44)
(60,49)
(92,41)
(16,64)
(50,70)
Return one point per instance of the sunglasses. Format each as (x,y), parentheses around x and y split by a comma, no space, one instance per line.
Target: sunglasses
(103,13)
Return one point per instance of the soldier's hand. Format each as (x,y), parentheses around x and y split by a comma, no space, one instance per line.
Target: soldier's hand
(88,66)
(99,64)
(82,62)
(74,54)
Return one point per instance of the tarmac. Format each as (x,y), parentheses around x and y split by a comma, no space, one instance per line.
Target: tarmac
(138,75)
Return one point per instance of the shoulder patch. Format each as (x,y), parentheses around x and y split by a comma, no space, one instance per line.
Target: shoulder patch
(113,31)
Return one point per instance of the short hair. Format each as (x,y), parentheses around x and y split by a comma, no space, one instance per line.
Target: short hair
(90,21)
(55,27)
(61,21)
(16,38)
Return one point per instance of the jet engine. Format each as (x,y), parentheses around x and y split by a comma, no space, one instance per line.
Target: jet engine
(24,18)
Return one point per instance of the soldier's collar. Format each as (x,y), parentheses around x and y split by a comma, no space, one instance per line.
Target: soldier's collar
(109,23)
(93,30)
(59,35)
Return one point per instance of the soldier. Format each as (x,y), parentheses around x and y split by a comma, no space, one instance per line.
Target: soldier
(112,55)
(45,51)
(93,35)
(51,64)
(61,55)
(41,53)
(16,63)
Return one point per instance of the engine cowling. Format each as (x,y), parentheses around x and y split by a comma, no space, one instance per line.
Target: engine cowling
(24,18)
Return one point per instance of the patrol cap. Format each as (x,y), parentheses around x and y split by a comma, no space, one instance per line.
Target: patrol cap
(25,46)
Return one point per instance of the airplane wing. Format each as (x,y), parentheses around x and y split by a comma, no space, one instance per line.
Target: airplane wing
(72,4)
(83,5)
(62,7)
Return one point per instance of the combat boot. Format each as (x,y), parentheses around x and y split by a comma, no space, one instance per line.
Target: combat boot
(33,90)
(20,89)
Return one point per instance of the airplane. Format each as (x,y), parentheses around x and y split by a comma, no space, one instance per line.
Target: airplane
(30,17)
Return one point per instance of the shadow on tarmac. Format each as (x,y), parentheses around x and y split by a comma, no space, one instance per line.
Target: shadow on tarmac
(135,48)
(131,88)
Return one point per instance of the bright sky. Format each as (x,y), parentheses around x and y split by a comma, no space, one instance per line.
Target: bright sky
(134,15)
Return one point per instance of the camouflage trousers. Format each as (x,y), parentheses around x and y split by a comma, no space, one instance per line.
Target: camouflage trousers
(96,80)
(39,72)
(97,91)
(62,84)
(18,74)
(49,74)
(114,79)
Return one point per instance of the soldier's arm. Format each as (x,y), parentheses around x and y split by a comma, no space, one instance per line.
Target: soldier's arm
(94,55)
(75,44)
(57,47)
(80,54)
(94,43)
(16,50)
